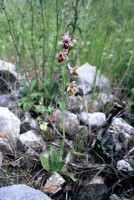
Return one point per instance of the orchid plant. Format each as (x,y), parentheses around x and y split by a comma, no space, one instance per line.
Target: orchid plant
(62,57)
(55,161)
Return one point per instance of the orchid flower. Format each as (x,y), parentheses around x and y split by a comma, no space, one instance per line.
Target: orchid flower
(66,41)
(72,70)
(62,56)
(72,88)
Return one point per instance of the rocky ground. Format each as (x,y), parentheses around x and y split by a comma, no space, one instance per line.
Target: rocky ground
(99,144)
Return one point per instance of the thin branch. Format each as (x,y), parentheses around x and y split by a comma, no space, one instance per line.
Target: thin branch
(75,17)
(32,39)
(13,39)
(21,24)
(10,29)
(44,38)
(56,38)
(75,20)
(57,26)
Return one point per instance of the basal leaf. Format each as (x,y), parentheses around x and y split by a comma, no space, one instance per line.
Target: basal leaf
(59,166)
(53,159)
(70,175)
(45,162)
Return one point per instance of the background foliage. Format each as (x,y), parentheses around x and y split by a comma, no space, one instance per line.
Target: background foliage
(102,32)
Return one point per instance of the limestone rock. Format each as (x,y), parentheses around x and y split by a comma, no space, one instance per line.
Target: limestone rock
(115,197)
(70,120)
(122,132)
(119,136)
(93,119)
(97,119)
(9,100)
(27,123)
(10,129)
(75,104)
(122,165)
(21,192)
(84,117)
(105,98)
(30,140)
(9,77)
(88,76)
(6,147)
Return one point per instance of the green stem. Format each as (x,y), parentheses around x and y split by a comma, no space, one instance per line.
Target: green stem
(63,111)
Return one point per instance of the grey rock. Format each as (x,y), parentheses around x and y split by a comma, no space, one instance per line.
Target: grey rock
(123,165)
(94,105)
(30,140)
(84,117)
(5,101)
(9,77)
(10,128)
(21,192)
(93,190)
(120,135)
(114,197)
(11,100)
(70,120)
(6,147)
(27,123)
(120,129)
(88,76)
(105,98)
(75,104)
(99,101)
(121,197)
(97,119)
(93,119)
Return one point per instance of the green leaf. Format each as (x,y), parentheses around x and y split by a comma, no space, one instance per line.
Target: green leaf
(50,109)
(25,90)
(132,91)
(53,88)
(70,175)
(45,162)
(33,85)
(36,94)
(59,166)
(53,159)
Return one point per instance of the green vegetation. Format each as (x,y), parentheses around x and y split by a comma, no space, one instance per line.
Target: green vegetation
(103,35)
(103,31)
(55,163)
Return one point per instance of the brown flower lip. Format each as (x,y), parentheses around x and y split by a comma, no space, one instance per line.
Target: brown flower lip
(62,56)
